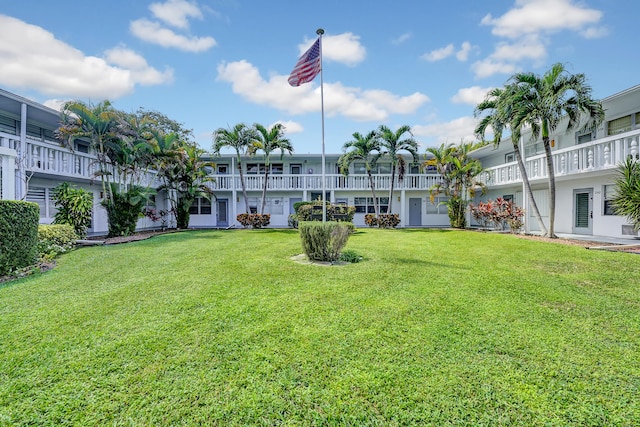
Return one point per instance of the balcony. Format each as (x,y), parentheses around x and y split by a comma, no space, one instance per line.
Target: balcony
(600,155)
(314,182)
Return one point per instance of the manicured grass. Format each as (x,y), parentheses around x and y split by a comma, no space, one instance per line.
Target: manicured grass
(222,328)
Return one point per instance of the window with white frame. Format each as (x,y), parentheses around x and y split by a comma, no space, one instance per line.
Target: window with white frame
(43,197)
(222,169)
(9,125)
(510,157)
(365,204)
(275,205)
(608,192)
(623,124)
(437,207)
(253,204)
(200,206)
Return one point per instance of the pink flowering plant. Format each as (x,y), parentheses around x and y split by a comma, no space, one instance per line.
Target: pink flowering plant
(498,214)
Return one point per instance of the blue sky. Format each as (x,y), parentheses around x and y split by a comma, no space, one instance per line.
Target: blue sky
(214,63)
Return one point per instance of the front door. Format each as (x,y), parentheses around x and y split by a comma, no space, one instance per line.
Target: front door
(221,213)
(415,211)
(583,211)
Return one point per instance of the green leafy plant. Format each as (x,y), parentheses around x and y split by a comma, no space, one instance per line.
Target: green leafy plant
(125,208)
(55,239)
(75,207)
(626,201)
(351,256)
(323,241)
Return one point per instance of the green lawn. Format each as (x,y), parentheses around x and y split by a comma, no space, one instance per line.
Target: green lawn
(222,328)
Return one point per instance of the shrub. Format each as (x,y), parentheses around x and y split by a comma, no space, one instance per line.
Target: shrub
(498,213)
(312,211)
(124,209)
(350,255)
(323,241)
(371,220)
(388,220)
(55,239)
(18,234)
(254,220)
(292,221)
(74,207)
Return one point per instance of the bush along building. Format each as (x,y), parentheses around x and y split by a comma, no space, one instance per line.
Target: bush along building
(33,162)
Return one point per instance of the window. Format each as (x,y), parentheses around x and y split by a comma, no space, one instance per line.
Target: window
(414,168)
(384,168)
(508,197)
(275,205)
(296,169)
(317,195)
(510,157)
(608,192)
(359,168)
(621,124)
(365,204)
(584,137)
(82,147)
(437,207)
(342,202)
(223,169)
(34,131)
(42,196)
(8,125)
(200,206)
(255,168)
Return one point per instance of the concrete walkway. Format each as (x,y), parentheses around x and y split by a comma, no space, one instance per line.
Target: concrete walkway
(601,239)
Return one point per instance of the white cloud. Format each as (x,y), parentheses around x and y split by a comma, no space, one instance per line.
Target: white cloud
(350,102)
(290,127)
(403,38)
(488,67)
(439,54)
(454,131)
(155,33)
(463,53)
(33,58)
(529,47)
(344,48)
(176,12)
(470,95)
(594,32)
(536,16)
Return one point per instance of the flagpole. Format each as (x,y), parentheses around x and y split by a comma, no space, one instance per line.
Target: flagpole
(320,32)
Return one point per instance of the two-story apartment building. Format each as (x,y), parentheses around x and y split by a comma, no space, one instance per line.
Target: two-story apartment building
(33,163)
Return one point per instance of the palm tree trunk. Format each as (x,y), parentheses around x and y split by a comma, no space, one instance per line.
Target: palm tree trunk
(527,186)
(264,189)
(244,187)
(393,177)
(552,187)
(373,193)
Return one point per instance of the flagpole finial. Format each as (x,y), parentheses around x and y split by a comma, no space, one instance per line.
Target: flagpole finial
(319,31)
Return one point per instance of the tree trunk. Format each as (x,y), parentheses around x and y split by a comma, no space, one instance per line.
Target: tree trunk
(552,187)
(373,193)
(527,186)
(244,187)
(393,176)
(264,189)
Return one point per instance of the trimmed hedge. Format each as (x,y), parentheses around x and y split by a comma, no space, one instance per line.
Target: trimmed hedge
(254,220)
(18,234)
(323,241)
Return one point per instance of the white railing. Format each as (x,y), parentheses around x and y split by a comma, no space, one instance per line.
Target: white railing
(601,154)
(314,182)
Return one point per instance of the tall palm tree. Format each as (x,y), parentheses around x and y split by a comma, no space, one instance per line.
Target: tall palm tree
(99,125)
(240,138)
(497,111)
(269,140)
(541,103)
(458,171)
(393,143)
(365,148)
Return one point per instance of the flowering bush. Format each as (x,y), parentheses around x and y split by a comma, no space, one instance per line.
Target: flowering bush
(254,220)
(158,215)
(382,220)
(499,213)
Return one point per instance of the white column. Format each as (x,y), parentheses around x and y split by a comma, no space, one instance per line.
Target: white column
(8,164)
(21,172)
(403,219)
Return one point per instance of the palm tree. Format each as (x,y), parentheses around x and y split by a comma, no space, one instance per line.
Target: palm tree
(268,141)
(458,171)
(96,123)
(392,143)
(240,137)
(367,149)
(498,111)
(187,174)
(542,103)
(626,201)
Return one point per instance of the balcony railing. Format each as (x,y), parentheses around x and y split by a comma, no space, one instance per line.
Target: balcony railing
(314,182)
(601,154)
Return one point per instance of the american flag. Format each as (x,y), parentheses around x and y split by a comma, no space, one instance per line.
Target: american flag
(307,67)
